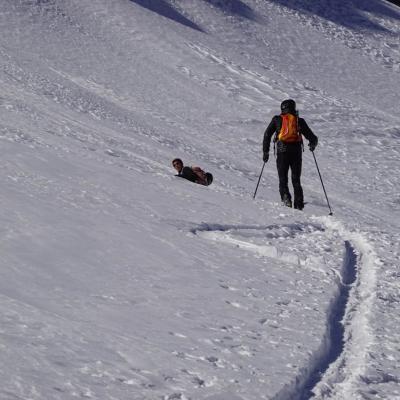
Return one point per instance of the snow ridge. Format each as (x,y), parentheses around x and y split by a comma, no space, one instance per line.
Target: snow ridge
(334,340)
(342,378)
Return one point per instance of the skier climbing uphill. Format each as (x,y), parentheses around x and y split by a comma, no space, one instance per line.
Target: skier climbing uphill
(289,130)
(193,174)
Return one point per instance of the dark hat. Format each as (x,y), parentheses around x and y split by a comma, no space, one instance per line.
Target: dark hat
(288,106)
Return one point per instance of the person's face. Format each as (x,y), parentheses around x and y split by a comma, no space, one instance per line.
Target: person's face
(177,165)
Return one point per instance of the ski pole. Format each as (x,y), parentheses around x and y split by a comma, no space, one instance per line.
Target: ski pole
(262,169)
(323,187)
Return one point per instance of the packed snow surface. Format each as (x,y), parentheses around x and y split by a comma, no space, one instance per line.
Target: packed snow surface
(119,280)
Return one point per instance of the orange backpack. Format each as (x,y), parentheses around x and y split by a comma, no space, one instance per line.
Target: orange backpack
(289,132)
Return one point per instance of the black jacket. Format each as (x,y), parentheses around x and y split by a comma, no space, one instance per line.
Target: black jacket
(188,174)
(275,127)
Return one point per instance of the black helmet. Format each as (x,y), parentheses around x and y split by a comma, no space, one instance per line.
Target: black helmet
(288,106)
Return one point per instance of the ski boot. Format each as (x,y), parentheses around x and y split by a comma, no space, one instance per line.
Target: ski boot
(298,205)
(287,201)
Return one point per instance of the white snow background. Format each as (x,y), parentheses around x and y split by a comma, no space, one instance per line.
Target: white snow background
(119,280)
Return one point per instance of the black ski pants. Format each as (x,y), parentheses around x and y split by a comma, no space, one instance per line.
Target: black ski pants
(291,159)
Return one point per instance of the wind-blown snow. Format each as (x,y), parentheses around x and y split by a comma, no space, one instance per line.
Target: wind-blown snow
(119,280)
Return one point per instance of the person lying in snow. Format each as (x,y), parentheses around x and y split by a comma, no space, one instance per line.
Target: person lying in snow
(192,174)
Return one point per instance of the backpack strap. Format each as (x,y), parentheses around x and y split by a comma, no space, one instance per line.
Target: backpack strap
(298,131)
(277,134)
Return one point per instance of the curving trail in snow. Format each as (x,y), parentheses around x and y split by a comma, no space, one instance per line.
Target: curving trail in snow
(334,371)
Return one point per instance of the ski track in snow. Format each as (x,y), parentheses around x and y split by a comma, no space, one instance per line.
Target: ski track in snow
(335,371)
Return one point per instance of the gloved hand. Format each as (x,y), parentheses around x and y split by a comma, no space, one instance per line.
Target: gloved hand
(266,157)
(312,145)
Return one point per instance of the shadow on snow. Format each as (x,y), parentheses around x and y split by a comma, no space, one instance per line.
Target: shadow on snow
(234,7)
(350,14)
(164,9)
(336,335)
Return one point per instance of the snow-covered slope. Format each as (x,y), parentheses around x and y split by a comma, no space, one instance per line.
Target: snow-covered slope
(119,280)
